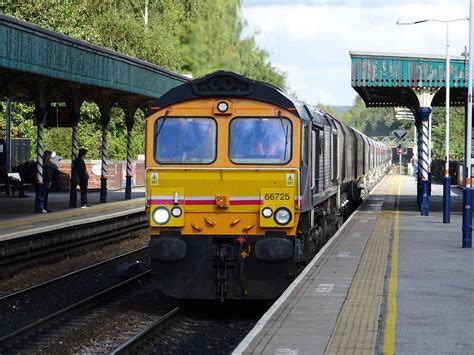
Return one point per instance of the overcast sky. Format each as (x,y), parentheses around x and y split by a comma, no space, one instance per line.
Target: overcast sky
(310,40)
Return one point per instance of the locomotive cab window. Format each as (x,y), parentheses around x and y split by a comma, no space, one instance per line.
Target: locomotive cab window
(185,140)
(258,140)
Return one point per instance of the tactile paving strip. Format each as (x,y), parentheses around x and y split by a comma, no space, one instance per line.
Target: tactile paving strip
(357,324)
(390,203)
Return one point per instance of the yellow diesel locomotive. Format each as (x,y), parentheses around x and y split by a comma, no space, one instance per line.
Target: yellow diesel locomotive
(244,184)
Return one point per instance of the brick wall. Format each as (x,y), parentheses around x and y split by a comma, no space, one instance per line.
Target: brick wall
(116,171)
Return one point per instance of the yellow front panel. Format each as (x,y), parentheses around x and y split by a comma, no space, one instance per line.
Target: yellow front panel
(199,190)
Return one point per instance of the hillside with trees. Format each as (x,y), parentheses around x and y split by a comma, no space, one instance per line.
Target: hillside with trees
(375,121)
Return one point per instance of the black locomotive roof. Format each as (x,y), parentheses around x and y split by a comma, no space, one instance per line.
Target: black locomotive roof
(229,84)
(318,117)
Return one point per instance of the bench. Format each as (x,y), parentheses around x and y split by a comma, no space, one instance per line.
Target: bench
(10,189)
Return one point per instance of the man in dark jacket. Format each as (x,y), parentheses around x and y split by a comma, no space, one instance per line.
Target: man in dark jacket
(80,177)
(47,181)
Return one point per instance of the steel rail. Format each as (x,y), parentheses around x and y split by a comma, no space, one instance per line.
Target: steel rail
(132,342)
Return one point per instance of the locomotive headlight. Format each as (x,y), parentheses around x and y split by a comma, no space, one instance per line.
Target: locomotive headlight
(176,212)
(222,106)
(267,212)
(282,216)
(161,215)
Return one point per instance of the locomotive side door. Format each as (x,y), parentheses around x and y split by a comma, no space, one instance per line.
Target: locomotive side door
(316,159)
(305,167)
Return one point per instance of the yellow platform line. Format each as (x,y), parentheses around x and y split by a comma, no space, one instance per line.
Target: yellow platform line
(391,319)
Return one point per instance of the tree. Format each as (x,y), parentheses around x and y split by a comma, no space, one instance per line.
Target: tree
(379,121)
(214,41)
(456,136)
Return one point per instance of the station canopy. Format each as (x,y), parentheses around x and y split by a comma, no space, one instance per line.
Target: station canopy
(388,79)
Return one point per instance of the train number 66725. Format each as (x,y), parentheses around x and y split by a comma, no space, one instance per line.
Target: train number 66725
(272,196)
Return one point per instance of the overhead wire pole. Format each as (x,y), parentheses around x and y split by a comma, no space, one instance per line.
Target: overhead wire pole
(467,211)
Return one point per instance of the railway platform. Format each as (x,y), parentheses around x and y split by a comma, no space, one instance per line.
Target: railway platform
(389,281)
(17,219)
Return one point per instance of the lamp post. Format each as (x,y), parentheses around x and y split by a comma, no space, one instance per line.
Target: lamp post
(447,178)
(467,197)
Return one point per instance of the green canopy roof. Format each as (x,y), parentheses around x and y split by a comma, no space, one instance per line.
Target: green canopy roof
(29,52)
(388,79)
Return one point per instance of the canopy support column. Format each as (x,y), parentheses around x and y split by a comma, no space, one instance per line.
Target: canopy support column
(418,168)
(425,97)
(104,119)
(40,115)
(424,160)
(129,122)
(104,153)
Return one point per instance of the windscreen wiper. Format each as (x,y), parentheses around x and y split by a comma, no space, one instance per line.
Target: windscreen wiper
(285,131)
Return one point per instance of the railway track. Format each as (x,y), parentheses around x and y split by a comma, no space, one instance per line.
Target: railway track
(51,282)
(24,307)
(153,321)
(56,244)
(49,330)
(210,329)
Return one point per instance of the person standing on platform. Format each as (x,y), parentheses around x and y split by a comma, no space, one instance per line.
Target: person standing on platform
(80,177)
(47,181)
